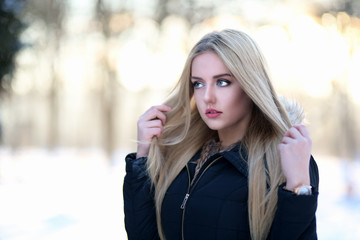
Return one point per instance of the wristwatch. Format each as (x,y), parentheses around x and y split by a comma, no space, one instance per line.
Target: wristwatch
(303,190)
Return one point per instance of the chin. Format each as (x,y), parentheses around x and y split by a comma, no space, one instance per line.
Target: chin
(213,127)
(211,124)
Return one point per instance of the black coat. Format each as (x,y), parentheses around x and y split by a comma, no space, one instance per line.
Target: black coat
(215,206)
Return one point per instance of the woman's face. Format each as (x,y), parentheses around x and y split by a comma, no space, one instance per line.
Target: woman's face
(220,100)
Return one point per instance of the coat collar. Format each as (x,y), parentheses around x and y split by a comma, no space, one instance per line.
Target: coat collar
(237,156)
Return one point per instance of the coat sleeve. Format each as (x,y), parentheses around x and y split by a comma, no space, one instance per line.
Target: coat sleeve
(295,215)
(139,207)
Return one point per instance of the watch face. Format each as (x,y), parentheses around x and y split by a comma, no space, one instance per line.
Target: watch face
(304,190)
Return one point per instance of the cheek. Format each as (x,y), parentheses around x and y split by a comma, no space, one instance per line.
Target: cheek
(197,102)
(234,98)
(197,98)
(243,102)
(246,104)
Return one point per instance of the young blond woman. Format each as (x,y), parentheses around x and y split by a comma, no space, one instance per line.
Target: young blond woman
(224,157)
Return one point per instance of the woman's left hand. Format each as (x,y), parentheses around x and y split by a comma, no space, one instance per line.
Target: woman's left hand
(295,152)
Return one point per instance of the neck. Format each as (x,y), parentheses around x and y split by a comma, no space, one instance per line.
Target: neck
(229,139)
(235,133)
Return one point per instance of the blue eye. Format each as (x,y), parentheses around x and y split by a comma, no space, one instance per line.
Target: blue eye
(223,82)
(197,84)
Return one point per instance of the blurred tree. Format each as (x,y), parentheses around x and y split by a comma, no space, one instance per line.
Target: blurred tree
(351,7)
(109,89)
(191,10)
(11,27)
(51,13)
(107,96)
(345,127)
(345,131)
(161,10)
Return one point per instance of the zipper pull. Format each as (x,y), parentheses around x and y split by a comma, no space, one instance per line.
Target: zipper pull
(184,201)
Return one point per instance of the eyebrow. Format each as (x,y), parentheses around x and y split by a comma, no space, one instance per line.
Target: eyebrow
(216,76)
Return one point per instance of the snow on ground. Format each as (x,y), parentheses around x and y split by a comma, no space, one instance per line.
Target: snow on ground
(77,194)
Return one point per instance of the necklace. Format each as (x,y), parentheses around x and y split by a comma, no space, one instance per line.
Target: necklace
(210,148)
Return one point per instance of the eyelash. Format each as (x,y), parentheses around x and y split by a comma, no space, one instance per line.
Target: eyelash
(227,82)
(196,84)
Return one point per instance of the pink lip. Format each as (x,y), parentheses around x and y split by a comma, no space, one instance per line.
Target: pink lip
(212,113)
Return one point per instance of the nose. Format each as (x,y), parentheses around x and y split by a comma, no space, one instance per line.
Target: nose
(209,94)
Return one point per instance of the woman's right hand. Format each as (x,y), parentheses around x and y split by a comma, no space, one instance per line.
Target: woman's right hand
(150,125)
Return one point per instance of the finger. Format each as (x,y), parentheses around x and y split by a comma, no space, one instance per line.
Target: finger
(293,133)
(156,123)
(163,108)
(156,112)
(161,115)
(156,117)
(303,130)
(154,132)
(148,133)
(144,131)
(152,114)
(287,140)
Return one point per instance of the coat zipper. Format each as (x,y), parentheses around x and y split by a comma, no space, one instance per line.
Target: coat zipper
(184,203)
(187,195)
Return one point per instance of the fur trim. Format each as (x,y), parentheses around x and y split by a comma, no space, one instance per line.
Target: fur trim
(294,110)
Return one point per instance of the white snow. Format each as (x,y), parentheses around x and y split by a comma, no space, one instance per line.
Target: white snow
(77,194)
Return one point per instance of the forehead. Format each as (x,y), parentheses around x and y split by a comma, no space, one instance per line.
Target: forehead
(208,63)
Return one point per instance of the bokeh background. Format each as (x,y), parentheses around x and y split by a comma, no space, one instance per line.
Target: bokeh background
(76,74)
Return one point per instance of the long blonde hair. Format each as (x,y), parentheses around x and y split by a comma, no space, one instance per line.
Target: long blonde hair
(185,132)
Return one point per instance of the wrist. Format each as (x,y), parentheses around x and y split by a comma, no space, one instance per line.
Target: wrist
(292,183)
(140,155)
(142,152)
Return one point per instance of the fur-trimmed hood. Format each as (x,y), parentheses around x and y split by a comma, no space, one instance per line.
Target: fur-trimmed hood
(294,110)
